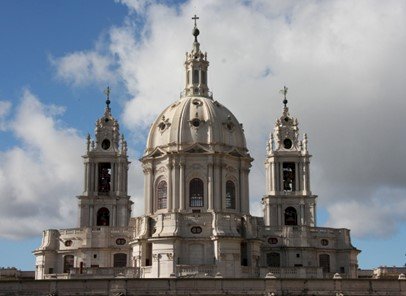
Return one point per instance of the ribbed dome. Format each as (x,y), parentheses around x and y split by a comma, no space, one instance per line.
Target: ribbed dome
(196,123)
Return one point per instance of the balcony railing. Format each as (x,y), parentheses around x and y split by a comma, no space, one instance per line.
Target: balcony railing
(195,270)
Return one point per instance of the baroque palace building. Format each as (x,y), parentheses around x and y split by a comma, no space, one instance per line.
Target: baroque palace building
(196,220)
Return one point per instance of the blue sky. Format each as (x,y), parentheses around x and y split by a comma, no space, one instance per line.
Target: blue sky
(343,62)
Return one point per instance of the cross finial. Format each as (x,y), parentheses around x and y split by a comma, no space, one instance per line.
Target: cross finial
(107,93)
(284,91)
(195,18)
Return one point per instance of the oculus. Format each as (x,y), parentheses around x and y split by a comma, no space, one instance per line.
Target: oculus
(272,240)
(196,230)
(196,122)
(68,243)
(324,242)
(120,241)
(162,126)
(105,144)
(287,143)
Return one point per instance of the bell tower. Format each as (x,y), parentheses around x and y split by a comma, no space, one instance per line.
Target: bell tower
(105,201)
(288,199)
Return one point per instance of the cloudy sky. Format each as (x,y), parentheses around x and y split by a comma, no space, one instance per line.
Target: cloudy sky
(343,62)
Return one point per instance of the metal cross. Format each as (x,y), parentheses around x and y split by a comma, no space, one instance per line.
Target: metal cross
(107,93)
(195,18)
(284,91)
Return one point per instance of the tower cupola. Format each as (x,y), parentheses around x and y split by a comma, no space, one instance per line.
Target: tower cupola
(196,66)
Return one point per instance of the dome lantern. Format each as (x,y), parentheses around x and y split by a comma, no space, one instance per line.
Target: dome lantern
(196,66)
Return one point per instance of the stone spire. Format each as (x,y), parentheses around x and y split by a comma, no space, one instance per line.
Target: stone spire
(196,65)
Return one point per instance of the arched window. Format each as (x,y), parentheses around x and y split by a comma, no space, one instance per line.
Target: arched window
(230,195)
(120,260)
(104,178)
(67,263)
(290,216)
(273,259)
(103,217)
(324,262)
(162,194)
(196,192)
(289,176)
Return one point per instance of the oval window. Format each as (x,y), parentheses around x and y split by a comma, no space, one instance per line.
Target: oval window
(106,144)
(68,243)
(196,230)
(120,241)
(287,143)
(196,122)
(324,242)
(272,240)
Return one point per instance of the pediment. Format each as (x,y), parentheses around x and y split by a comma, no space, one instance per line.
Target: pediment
(156,153)
(197,148)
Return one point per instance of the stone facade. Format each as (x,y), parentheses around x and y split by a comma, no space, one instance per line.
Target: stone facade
(212,287)
(196,220)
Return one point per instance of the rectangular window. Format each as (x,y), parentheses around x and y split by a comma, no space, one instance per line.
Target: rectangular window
(148,259)
(50,270)
(289,176)
(187,77)
(273,259)
(204,77)
(195,76)
(104,177)
(244,254)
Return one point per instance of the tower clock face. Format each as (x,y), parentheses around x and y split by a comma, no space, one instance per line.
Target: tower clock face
(105,144)
(287,143)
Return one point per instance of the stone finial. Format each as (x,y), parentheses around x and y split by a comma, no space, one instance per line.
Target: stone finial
(88,142)
(402,277)
(337,276)
(305,142)
(270,275)
(218,275)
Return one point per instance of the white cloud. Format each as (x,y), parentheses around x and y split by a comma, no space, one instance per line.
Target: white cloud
(344,65)
(39,179)
(82,68)
(138,6)
(5,107)
(378,216)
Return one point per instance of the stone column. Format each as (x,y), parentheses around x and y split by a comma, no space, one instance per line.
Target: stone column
(148,179)
(267,212)
(169,170)
(113,177)
(305,179)
(273,177)
(297,177)
(223,186)
(91,214)
(246,204)
(210,185)
(85,180)
(175,188)
(217,187)
(279,211)
(96,179)
(182,197)
(114,217)
(302,214)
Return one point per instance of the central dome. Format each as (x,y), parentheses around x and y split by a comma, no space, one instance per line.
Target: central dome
(196,122)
